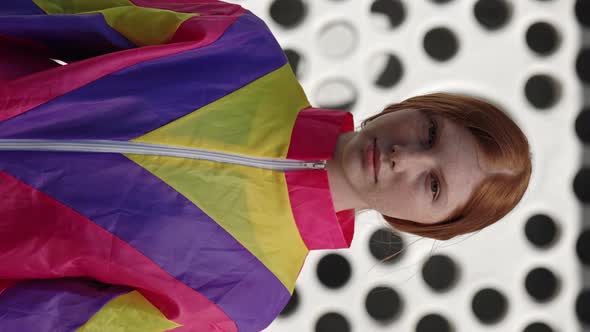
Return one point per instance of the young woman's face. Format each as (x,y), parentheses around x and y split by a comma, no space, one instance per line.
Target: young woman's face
(427,166)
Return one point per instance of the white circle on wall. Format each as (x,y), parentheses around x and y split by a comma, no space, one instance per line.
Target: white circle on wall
(336,93)
(337,39)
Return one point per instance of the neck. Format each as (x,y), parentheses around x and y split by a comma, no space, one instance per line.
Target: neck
(343,196)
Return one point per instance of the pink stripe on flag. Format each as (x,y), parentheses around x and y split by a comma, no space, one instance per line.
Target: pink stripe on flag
(49,240)
(23,94)
(18,61)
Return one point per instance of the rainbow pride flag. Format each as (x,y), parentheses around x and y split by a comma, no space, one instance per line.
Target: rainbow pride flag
(168,178)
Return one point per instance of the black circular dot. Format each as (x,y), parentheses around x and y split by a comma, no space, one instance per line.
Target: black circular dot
(542,38)
(583,247)
(489,306)
(333,270)
(583,12)
(383,304)
(582,185)
(541,230)
(331,322)
(538,327)
(291,306)
(294,60)
(386,245)
(288,13)
(541,284)
(391,73)
(441,1)
(439,272)
(583,306)
(492,14)
(542,91)
(583,65)
(394,10)
(433,323)
(441,44)
(583,125)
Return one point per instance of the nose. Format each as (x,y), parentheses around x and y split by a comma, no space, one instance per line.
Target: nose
(406,158)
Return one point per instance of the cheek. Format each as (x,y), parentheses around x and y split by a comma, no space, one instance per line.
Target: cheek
(400,199)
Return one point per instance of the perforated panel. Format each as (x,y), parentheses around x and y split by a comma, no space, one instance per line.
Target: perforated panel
(521,274)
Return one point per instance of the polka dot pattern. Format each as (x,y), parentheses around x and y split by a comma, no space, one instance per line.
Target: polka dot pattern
(538,327)
(582,185)
(337,39)
(541,231)
(390,72)
(383,304)
(583,65)
(583,306)
(336,94)
(583,12)
(294,60)
(492,14)
(542,91)
(386,246)
(440,273)
(541,284)
(441,44)
(489,306)
(433,323)
(292,305)
(334,271)
(542,38)
(583,247)
(393,10)
(363,55)
(583,126)
(288,13)
(332,321)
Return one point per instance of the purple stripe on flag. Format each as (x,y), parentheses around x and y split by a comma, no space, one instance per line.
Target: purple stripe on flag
(68,37)
(141,98)
(54,304)
(139,208)
(21,7)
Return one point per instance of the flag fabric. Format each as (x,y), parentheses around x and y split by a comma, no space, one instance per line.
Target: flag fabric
(107,241)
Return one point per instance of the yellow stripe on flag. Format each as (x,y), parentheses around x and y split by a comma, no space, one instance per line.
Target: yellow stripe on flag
(142,26)
(128,313)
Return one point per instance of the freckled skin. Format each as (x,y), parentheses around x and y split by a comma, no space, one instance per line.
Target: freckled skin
(404,189)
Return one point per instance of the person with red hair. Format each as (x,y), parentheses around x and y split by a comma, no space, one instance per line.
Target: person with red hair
(437,165)
(173,176)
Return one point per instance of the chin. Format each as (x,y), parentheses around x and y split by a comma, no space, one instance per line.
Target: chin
(354,173)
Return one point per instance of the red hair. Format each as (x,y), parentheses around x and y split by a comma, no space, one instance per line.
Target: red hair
(505,148)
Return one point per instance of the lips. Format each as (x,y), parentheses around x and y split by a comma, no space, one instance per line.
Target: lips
(376,161)
(371,161)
